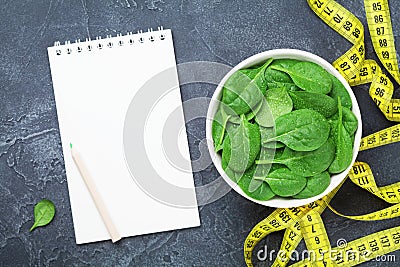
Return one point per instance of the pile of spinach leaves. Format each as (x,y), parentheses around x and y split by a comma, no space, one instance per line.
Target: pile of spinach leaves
(283,128)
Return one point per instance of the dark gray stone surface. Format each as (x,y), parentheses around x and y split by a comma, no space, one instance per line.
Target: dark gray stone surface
(31,160)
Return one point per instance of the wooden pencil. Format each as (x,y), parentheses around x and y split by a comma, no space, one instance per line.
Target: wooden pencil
(105,215)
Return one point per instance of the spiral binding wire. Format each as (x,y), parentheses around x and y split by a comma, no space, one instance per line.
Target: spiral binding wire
(109,41)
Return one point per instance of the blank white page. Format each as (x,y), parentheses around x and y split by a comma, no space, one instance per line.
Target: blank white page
(93,91)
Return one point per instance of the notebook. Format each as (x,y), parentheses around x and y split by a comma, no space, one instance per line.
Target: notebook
(117,98)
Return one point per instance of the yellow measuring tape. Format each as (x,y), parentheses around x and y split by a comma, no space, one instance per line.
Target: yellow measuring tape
(352,65)
(305,221)
(384,137)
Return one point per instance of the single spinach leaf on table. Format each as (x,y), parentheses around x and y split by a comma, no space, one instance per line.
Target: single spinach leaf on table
(349,120)
(262,192)
(284,182)
(44,212)
(248,96)
(306,163)
(219,127)
(319,102)
(242,147)
(301,130)
(308,76)
(338,90)
(277,103)
(315,185)
(344,145)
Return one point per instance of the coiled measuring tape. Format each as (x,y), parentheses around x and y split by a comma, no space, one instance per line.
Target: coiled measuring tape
(305,221)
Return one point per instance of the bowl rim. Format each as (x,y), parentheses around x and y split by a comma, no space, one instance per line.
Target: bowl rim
(279,202)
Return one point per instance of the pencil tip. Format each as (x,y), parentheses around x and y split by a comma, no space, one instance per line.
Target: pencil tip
(70,145)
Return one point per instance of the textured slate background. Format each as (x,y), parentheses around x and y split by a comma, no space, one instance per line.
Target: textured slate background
(31,160)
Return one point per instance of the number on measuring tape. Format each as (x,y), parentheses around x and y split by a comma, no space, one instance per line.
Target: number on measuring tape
(358,169)
(396,237)
(296,211)
(376,6)
(275,223)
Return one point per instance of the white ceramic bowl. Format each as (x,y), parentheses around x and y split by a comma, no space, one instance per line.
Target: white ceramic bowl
(279,202)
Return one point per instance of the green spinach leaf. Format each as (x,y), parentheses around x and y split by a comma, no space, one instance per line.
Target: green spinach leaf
(264,115)
(288,86)
(248,96)
(242,147)
(273,76)
(315,185)
(279,79)
(301,130)
(349,120)
(250,72)
(44,213)
(274,144)
(279,153)
(344,145)
(267,134)
(262,170)
(262,192)
(285,62)
(237,80)
(284,182)
(235,176)
(218,128)
(319,102)
(308,76)
(278,103)
(338,90)
(306,163)
(249,116)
